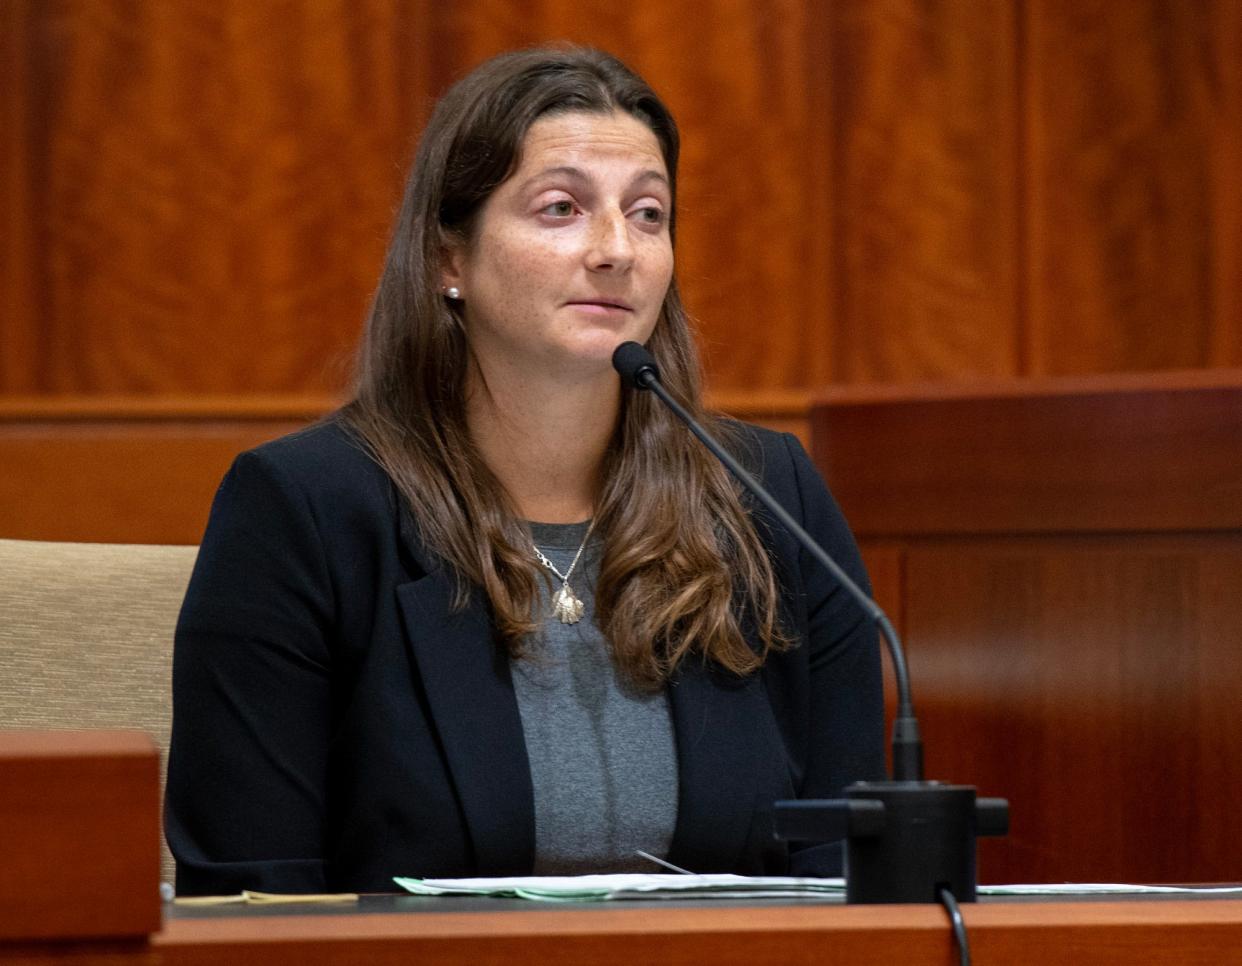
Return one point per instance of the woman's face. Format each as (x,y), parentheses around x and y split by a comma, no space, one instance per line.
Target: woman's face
(571,256)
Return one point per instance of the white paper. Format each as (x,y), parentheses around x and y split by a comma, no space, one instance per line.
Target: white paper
(1100,888)
(602,888)
(597,888)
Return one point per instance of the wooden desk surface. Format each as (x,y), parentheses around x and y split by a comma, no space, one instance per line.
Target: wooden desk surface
(394,930)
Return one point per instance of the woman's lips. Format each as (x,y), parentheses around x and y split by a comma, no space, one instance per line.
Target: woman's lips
(600,307)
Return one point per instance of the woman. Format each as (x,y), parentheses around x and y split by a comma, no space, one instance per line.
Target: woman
(499,614)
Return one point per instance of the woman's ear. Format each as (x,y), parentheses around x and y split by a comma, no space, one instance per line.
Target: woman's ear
(452,269)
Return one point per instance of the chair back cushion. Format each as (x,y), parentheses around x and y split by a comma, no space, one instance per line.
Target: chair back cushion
(86,632)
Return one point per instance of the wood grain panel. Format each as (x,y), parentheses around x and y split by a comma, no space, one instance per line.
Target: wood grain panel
(79,832)
(18,223)
(144,468)
(748,81)
(1018,934)
(1094,683)
(1061,656)
(1133,129)
(925,115)
(119,481)
(1226,227)
(387,931)
(885,563)
(1157,452)
(212,186)
(196,197)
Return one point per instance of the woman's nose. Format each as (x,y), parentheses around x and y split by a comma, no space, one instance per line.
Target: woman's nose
(611,248)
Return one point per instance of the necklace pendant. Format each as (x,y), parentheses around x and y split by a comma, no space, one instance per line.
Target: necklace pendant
(566,607)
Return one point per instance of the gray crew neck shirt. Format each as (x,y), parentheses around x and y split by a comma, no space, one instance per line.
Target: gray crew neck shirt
(603,760)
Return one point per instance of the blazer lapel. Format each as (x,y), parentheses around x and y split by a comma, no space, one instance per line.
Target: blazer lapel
(719,723)
(470,693)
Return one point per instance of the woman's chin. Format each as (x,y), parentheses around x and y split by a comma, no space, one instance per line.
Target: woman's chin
(598,345)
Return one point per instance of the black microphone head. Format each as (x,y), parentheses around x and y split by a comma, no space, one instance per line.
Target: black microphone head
(637,366)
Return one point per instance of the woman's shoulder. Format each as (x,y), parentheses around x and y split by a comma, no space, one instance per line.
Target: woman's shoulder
(781,463)
(328,441)
(777,458)
(327,460)
(324,447)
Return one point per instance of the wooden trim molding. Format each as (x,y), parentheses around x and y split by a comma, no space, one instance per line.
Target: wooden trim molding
(164,408)
(1154,452)
(143,469)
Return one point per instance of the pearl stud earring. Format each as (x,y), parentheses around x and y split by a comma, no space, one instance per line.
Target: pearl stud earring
(453,292)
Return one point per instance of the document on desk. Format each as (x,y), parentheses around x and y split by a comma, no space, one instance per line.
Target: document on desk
(601,888)
(1103,888)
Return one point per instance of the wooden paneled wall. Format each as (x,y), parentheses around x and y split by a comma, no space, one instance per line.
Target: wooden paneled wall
(1070,594)
(196,199)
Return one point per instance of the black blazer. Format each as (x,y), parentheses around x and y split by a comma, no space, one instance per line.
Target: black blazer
(337,722)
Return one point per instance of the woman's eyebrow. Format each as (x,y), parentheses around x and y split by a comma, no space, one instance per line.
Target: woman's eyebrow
(563,170)
(651,175)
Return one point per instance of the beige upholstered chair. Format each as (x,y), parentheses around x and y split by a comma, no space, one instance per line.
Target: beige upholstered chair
(86,636)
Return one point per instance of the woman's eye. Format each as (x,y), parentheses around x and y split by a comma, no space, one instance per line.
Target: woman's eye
(651,215)
(561,209)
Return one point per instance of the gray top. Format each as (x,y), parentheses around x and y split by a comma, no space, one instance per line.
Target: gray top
(602,756)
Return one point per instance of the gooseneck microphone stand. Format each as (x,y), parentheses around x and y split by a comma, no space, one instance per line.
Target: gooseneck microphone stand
(907,839)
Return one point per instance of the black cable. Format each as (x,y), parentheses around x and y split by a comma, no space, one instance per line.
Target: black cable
(959,924)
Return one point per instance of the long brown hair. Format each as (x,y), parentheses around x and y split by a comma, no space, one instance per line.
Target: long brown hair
(679,549)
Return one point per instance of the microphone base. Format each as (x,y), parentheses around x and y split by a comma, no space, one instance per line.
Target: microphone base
(904,841)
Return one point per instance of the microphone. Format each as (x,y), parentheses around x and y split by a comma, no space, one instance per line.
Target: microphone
(638,368)
(906,838)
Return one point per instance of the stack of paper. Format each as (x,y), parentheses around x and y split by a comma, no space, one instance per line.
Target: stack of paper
(598,888)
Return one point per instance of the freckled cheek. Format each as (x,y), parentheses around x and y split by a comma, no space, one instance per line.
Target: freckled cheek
(534,264)
(662,270)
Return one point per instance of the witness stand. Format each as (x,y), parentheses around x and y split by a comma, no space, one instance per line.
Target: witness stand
(1063,559)
(79,884)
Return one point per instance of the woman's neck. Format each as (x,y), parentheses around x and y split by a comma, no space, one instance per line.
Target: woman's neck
(545,442)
